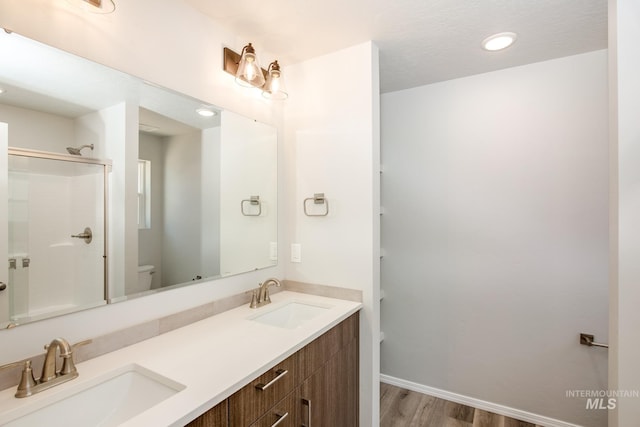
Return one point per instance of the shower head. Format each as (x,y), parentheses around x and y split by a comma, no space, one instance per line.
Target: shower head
(76,150)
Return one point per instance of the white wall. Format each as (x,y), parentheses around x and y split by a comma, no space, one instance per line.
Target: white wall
(332,146)
(210,193)
(167,43)
(495,234)
(624,32)
(182,208)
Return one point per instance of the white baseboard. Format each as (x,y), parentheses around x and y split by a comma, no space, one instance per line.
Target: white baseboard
(476,403)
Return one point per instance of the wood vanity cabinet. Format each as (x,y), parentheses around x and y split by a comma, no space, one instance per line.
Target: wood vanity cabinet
(315,387)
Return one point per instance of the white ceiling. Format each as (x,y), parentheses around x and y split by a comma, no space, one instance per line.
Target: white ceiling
(420,41)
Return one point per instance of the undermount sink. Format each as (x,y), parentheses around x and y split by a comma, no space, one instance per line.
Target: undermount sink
(291,315)
(119,396)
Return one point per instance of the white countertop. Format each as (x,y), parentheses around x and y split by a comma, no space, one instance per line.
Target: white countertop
(212,358)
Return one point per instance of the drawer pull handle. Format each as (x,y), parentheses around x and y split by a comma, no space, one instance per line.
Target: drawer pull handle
(307,403)
(281,417)
(280,373)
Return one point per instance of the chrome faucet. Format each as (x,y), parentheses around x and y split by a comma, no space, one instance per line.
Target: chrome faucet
(50,375)
(261,295)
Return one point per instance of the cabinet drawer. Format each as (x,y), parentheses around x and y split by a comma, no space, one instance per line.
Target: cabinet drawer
(253,400)
(283,413)
(319,351)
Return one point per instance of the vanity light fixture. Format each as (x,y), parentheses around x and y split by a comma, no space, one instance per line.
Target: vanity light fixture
(205,112)
(274,87)
(95,6)
(499,41)
(248,73)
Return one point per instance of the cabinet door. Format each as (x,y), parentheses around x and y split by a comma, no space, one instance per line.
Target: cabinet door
(214,417)
(283,413)
(313,356)
(329,397)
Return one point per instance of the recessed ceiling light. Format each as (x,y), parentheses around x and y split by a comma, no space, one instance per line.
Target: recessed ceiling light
(499,41)
(1,91)
(205,112)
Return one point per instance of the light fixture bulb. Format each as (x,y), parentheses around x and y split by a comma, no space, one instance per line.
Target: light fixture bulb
(249,72)
(499,41)
(274,87)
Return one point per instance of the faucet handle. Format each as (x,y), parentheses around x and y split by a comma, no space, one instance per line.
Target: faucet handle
(27,381)
(68,365)
(254,299)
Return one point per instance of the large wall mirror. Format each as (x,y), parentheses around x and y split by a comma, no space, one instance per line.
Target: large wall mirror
(113,188)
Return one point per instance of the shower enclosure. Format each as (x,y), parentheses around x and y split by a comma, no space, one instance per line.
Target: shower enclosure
(56,233)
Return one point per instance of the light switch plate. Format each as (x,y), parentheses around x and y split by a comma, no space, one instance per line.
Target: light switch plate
(296,255)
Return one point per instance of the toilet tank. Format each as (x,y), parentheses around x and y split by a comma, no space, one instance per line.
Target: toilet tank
(144,278)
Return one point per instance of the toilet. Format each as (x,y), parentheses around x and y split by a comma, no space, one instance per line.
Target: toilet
(144,278)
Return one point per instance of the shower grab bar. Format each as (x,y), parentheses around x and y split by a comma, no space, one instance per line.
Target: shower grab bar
(318,199)
(253,201)
(587,339)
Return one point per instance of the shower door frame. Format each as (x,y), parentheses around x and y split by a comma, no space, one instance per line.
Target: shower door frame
(106,168)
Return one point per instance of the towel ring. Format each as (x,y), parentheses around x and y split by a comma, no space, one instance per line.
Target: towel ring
(253,201)
(318,199)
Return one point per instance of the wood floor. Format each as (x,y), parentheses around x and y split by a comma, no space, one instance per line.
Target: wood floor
(404,408)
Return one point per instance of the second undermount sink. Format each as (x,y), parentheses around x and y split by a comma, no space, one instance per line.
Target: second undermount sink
(120,396)
(291,315)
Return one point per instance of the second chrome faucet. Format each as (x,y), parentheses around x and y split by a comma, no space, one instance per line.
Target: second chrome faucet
(261,294)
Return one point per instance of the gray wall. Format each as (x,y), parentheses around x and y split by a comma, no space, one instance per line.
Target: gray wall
(150,240)
(181,260)
(495,234)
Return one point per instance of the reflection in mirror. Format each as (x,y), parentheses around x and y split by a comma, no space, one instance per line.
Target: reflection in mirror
(174,207)
(56,232)
(178,236)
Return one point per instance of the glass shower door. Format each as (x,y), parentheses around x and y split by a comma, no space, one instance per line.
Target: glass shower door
(56,236)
